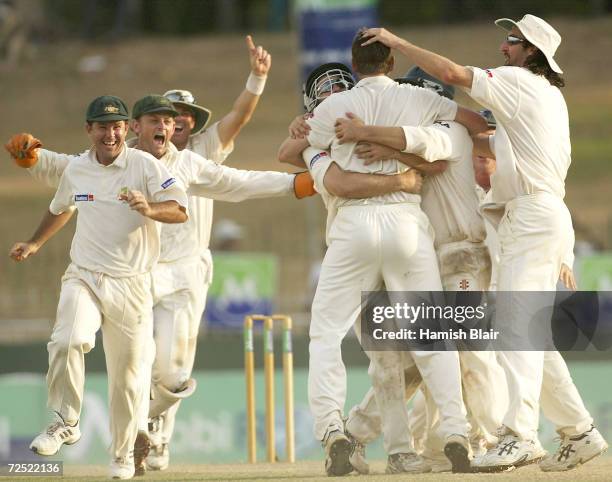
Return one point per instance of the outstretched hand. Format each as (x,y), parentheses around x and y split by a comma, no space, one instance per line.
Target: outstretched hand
(260,59)
(381,35)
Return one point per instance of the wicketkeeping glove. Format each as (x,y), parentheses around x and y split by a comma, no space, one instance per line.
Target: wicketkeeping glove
(22,147)
(303,185)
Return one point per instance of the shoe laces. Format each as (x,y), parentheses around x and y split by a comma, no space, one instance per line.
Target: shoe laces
(54,428)
(356,445)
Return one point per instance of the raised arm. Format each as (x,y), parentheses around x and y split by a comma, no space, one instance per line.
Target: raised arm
(49,225)
(244,106)
(43,165)
(440,67)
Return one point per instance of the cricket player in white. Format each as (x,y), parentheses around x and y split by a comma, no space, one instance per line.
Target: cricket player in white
(178,277)
(451,204)
(214,143)
(358,260)
(337,186)
(532,149)
(331,182)
(119,192)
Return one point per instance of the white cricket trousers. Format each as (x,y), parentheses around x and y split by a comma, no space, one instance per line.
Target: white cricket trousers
(532,237)
(480,372)
(122,307)
(179,298)
(371,245)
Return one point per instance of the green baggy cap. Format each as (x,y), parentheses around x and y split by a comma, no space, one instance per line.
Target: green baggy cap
(151,104)
(106,108)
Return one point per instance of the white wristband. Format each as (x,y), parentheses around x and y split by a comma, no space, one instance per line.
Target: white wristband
(255,84)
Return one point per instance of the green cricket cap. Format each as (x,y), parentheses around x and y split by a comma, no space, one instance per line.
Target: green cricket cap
(106,108)
(151,104)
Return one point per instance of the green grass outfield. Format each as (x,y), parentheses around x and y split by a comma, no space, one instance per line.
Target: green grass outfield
(599,470)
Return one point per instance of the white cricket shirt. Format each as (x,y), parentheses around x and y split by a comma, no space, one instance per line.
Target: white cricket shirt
(111,238)
(449,198)
(378,101)
(206,180)
(531,142)
(318,161)
(208,145)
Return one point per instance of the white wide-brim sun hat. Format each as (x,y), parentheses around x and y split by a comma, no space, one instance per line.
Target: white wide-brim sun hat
(539,32)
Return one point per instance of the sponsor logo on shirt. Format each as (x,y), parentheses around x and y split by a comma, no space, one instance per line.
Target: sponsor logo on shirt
(317,157)
(168,182)
(83,197)
(443,124)
(489,73)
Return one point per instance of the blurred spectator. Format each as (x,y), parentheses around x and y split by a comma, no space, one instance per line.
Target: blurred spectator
(227,235)
(13,34)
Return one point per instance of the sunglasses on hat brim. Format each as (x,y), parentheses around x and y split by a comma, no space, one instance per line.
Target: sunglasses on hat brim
(514,40)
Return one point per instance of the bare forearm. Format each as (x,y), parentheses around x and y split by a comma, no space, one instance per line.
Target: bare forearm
(370,185)
(49,226)
(482,147)
(354,185)
(167,212)
(426,167)
(432,168)
(290,152)
(238,117)
(388,136)
(441,67)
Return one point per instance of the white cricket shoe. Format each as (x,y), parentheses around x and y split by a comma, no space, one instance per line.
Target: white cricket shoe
(122,468)
(159,457)
(510,452)
(479,446)
(574,451)
(406,463)
(358,456)
(337,453)
(458,451)
(57,434)
(156,426)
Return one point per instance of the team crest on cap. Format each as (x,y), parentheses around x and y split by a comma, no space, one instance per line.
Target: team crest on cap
(111,109)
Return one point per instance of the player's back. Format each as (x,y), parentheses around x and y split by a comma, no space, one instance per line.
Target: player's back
(449,199)
(379,101)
